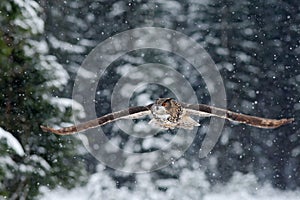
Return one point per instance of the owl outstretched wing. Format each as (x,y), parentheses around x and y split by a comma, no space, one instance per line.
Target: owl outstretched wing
(168,113)
(130,113)
(207,111)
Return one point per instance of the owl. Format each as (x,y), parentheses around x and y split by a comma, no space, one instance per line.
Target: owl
(167,113)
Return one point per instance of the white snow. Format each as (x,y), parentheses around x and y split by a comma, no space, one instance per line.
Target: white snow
(243,57)
(65,46)
(143,99)
(191,185)
(12,142)
(33,161)
(296,151)
(30,19)
(8,166)
(125,69)
(246,187)
(61,75)
(222,51)
(63,103)
(171,6)
(86,42)
(154,142)
(117,9)
(32,47)
(86,74)
(41,161)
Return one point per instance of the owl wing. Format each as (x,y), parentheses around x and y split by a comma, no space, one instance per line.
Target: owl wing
(207,111)
(130,113)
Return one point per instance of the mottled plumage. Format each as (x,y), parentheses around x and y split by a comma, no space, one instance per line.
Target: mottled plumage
(169,114)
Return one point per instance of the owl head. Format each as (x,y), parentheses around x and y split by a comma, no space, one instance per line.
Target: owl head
(160,109)
(166,109)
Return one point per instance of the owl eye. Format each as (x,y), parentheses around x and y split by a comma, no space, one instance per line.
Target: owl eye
(164,104)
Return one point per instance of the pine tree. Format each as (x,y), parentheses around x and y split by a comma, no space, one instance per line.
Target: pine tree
(28,77)
(253,43)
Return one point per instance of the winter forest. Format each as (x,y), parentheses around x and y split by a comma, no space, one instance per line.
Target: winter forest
(255,46)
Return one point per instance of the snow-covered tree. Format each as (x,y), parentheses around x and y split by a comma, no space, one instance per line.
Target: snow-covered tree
(192,184)
(255,47)
(28,76)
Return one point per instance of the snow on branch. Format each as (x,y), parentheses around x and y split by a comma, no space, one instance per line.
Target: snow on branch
(63,103)
(30,19)
(12,142)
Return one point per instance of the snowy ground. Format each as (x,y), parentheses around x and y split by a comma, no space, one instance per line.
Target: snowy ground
(268,193)
(190,186)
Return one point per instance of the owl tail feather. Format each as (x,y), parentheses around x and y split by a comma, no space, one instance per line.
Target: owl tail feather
(187,123)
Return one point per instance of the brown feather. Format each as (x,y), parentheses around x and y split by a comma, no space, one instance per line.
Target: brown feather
(233,116)
(98,122)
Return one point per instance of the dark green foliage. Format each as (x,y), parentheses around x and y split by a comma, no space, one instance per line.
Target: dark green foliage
(49,160)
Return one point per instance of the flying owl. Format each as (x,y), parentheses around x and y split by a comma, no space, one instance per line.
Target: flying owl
(168,113)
